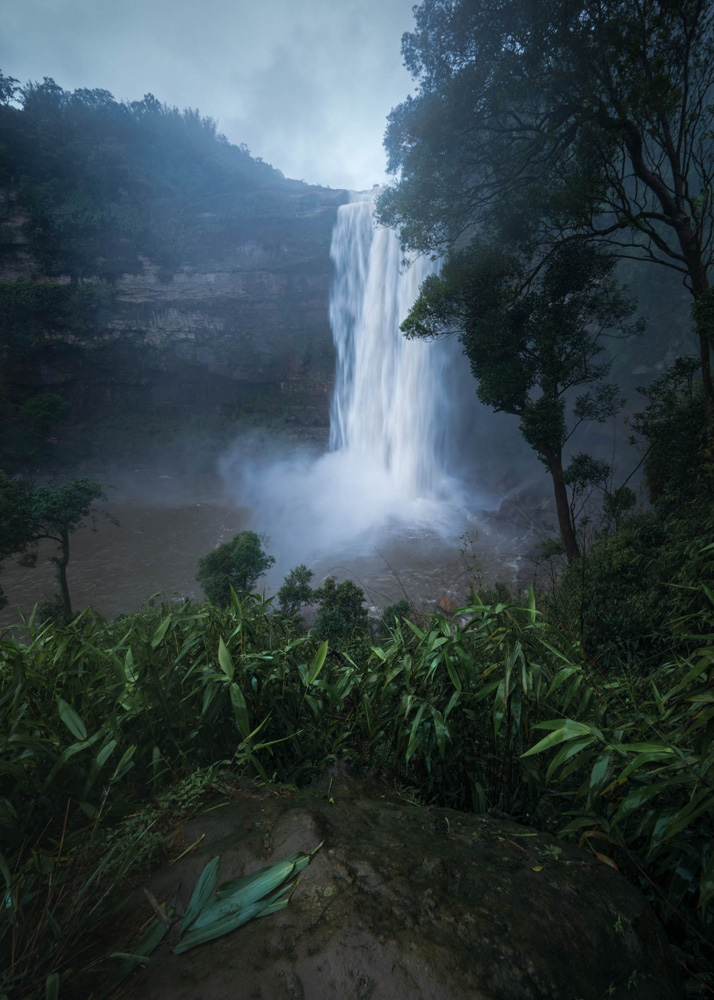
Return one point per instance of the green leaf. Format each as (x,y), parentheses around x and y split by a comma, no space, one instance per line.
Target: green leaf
(259,883)
(531,605)
(244,898)
(105,753)
(638,797)
(161,632)
(701,802)
(125,764)
(417,631)
(218,928)
(565,753)
(455,679)
(225,660)
(204,887)
(240,710)
(54,926)
(414,734)
(639,761)
(150,940)
(566,730)
(71,720)
(441,730)
(318,661)
(52,986)
(599,774)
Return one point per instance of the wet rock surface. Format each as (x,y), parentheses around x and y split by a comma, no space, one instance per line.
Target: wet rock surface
(405,901)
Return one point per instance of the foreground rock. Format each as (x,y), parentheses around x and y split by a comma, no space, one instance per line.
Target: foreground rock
(408,902)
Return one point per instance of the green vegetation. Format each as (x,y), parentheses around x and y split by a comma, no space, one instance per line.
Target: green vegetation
(100,720)
(233,565)
(30,513)
(531,344)
(562,123)
(105,182)
(92,189)
(296,590)
(342,619)
(546,141)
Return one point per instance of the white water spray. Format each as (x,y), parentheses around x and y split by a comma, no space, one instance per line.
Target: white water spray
(384,475)
(388,391)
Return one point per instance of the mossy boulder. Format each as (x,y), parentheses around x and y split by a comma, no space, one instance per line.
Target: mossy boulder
(404,901)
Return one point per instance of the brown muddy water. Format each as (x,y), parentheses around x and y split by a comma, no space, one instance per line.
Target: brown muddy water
(168,522)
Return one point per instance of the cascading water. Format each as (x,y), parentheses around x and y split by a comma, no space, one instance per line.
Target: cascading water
(388,392)
(384,476)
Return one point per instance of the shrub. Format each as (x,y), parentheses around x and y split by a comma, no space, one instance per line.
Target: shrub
(296,590)
(342,616)
(238,564)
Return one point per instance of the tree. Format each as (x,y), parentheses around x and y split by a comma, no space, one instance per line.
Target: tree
(342,613)
(531,345)
(296,590)
(31,513)
(570,121)
(237,564)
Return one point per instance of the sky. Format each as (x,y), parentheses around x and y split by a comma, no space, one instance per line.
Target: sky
(306,84)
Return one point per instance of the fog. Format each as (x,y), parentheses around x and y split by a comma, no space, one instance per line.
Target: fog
(306,86)
(394,493)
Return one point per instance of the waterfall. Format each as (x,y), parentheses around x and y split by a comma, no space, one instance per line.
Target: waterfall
(384,477)
(387,406)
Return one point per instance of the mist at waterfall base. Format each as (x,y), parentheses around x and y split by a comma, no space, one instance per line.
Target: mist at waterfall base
(396,495)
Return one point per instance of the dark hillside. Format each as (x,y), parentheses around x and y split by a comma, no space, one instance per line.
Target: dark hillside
(152,275)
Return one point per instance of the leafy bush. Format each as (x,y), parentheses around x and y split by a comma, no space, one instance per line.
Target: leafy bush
(296,590)
(673,425)
(627,598)
(393,613)
(342,617)
(237,564)
(98,718)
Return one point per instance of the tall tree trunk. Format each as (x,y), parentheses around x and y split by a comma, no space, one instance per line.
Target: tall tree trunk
(704,322)
(565,521)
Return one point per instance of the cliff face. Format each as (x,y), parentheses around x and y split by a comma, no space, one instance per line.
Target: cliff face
(237,329)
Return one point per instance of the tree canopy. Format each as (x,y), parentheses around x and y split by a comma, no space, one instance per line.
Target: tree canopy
(557,122)
(30,513)
(105,181)
(237,564)
(534,347)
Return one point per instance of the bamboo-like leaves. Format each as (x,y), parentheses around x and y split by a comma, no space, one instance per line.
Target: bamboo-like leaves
(225,660)
(562,731)
(71,720)
(240,710)
(204,887)
(238,900)
(318,661)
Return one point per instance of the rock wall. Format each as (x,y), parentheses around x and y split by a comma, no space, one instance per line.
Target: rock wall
(237,329)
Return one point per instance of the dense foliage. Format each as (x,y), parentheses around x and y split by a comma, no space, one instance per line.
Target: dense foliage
(236,565)
(104,181)
(533,344)
(540,132)
(557,122)
(502,711)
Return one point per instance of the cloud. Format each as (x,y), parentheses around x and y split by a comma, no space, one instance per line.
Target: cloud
(307,85)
